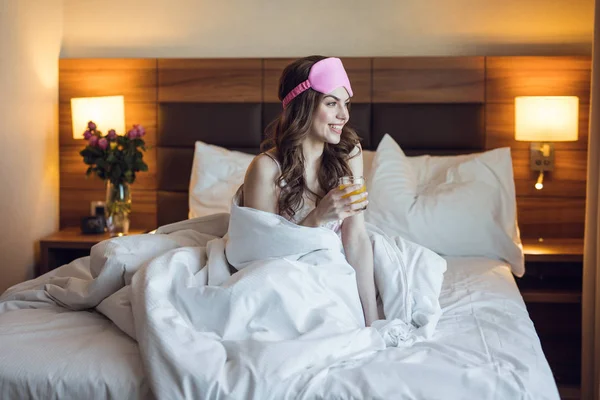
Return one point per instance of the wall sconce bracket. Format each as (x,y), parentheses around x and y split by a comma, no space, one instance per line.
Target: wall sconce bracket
(542,156)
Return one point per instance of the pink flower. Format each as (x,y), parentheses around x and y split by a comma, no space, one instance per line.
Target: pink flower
(133,133)
(103,143)
(140,129)
(93,141)
(91,126)
(111,135)
(87,134)
(136,132)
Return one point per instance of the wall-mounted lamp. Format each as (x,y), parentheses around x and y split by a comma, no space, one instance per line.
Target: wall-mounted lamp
(545,119)
(107,113)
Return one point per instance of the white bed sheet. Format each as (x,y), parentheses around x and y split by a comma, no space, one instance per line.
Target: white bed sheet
(49,352)
(484,347)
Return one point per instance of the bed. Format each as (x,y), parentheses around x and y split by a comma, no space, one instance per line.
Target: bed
(483,346)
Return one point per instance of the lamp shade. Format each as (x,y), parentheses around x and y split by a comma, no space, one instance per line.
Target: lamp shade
(107,113)
(546,118)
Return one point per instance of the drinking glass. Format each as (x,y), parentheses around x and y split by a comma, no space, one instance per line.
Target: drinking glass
(346,181)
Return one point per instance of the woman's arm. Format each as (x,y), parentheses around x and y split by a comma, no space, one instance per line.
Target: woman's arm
(260,189)
(359,253)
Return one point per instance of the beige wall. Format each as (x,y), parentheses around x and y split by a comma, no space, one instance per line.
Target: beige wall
(278,28)
(30,35)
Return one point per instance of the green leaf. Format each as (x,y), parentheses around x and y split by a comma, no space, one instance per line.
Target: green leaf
(141,166)
(128,159)
(86,152)
(115,174)
(96,151)
(101,163)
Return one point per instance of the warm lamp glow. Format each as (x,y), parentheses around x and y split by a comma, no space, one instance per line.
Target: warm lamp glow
(106,112)
(546,118)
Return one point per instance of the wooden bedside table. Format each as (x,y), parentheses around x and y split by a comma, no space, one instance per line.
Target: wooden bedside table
(68,244)
(551,289)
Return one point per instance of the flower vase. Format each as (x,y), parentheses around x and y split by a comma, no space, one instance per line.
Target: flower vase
(118,207)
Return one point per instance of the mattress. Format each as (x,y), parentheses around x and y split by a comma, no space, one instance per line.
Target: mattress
(485,347)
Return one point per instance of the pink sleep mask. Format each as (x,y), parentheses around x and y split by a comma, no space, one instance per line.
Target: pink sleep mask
(325,76)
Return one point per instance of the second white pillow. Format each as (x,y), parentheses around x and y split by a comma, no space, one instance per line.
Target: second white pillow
(465,208)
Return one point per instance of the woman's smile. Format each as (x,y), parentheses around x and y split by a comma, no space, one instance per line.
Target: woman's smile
(336,128)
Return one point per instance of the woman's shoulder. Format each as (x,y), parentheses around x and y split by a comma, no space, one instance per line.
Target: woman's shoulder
(272,154)
(263,168)
(259,188)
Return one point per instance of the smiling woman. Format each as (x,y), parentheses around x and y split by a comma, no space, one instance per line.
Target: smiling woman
(309,145)
(309,148)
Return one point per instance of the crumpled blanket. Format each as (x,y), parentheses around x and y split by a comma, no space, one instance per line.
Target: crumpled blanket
(270,330)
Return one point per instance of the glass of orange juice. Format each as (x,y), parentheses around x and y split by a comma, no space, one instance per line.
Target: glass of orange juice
(346,181)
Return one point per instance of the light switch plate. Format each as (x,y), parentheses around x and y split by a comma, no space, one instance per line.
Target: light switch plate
(539,162)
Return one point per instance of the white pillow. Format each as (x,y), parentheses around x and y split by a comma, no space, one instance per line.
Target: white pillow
(216,175)
(368,156)
(454,205)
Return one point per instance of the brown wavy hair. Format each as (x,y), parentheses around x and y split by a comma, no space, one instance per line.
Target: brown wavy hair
(287,132)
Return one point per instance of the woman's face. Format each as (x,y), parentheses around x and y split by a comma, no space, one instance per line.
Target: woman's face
(331,115)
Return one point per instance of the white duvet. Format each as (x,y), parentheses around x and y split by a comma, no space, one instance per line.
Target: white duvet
(271,330)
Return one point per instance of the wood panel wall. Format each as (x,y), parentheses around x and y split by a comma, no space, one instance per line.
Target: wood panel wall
(136,80)
(555,211)
(558,209)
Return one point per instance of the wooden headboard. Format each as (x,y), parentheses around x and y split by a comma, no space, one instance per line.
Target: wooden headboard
(433,105)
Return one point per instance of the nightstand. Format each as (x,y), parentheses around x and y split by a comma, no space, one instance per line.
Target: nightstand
(68,244)
(551,289)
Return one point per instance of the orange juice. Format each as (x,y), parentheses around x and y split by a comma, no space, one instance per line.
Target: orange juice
(348,181)
(360,190)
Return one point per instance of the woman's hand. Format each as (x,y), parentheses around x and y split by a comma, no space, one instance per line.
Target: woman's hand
(335,206)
